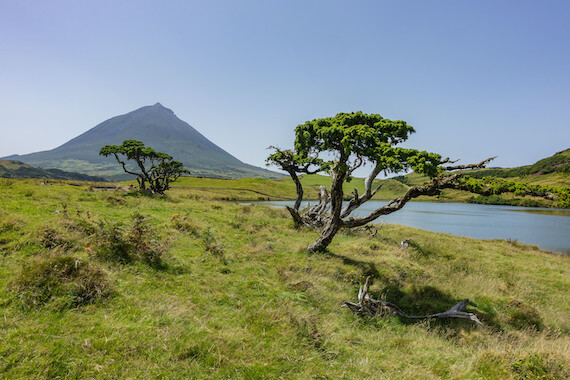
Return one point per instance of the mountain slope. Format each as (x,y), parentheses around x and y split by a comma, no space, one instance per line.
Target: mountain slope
(18,169)
(157,127)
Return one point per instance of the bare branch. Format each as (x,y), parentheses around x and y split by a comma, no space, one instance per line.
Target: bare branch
(447,160)
(369,306)
(354,203)
(357,163)
(480,165)
(371,177)
(429,188)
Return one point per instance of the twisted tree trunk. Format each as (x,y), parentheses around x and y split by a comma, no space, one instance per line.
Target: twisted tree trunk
(334,222)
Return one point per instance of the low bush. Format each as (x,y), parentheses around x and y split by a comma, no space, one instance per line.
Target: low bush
(523,316)
(124,244)
(211,245)
(64,281)
(183,223)
(50,238)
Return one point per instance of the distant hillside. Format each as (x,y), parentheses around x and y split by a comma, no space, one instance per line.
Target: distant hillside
(558,163)
(18,169)
(551,171)
(157,127)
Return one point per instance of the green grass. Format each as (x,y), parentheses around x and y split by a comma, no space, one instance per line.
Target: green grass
(245,189)
(257,189)
(238,296)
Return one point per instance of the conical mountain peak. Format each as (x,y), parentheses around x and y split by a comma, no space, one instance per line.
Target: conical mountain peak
(156,126)
(158,106)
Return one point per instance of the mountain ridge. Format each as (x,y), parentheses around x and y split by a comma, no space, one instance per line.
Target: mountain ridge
(157,127)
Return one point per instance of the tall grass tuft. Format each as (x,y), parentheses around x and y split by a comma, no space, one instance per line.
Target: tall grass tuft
(65,281)
(139,241)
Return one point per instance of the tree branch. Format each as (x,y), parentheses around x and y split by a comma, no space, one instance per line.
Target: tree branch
(480,165)
(355,202)
(429,188)
(369,306)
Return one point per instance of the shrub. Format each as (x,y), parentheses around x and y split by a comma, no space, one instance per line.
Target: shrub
(540,366)
(51,238)
(211,245)
(66,281)
(144,242)
(111,243)
(124,244)
(184,224)
(523,316)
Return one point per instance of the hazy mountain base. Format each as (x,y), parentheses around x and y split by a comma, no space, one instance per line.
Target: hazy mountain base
(17,169)
(157,127)
(239,297)
(112,171)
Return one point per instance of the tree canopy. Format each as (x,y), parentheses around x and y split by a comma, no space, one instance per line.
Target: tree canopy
(157,170)
(340,144)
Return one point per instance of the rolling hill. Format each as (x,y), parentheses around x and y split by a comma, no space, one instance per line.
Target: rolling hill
(157,127)
(553,171)
(550,171)
(18,169)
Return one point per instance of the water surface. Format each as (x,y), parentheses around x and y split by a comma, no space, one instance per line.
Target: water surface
(547,228)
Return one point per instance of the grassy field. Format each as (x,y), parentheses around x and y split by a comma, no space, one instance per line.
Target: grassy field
(258,189)
(245,189)
(106,284)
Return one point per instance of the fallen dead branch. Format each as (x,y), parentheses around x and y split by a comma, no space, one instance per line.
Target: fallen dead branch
(375,308)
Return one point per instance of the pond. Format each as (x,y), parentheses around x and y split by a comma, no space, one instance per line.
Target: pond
(547,228)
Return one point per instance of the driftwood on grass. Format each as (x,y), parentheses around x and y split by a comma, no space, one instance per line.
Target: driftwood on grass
(374,308)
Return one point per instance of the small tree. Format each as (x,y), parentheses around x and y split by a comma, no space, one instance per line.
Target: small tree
(157,169)
(355,139)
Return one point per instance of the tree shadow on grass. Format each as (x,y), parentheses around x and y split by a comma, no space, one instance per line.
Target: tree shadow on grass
(426,300)
(419,300)
(368,267)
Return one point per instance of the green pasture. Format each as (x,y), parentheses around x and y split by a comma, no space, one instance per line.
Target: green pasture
(98,283)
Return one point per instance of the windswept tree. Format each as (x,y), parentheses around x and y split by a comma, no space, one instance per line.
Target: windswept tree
(339,145)
(156,170)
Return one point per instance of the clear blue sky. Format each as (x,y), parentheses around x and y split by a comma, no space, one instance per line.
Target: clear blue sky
(475,78)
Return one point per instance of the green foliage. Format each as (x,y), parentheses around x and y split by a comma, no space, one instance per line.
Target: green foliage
(211,244)
(492,187)
(156,169)
(271,310)
(291,161)
(368,137)
(65,281)
(114,241)
(498,200)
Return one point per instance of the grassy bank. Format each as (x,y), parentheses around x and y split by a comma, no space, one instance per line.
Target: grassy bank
(255,189)
(188,286)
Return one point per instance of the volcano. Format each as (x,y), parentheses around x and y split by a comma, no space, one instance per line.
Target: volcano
(157,127)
